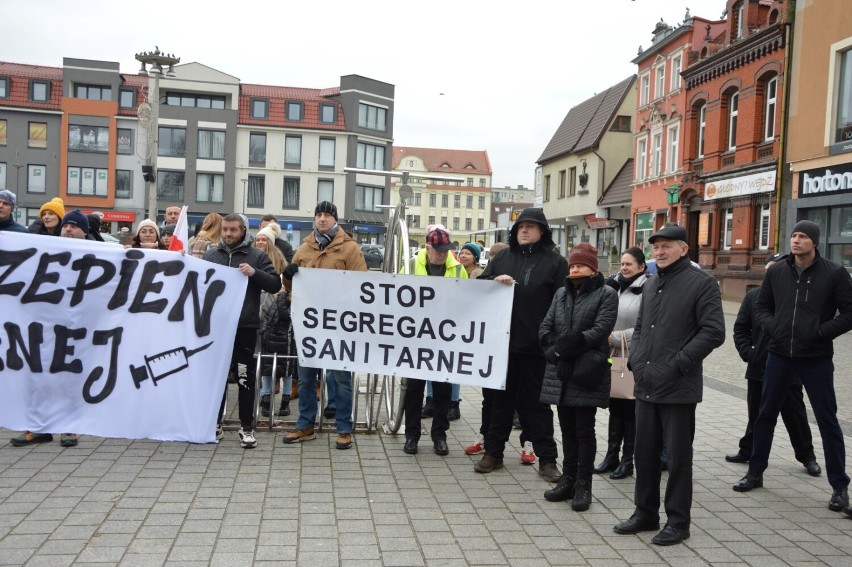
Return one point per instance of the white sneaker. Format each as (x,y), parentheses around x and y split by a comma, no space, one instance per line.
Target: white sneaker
(247,440)
(220,433)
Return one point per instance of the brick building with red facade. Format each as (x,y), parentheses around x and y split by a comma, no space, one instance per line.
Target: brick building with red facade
(728,191)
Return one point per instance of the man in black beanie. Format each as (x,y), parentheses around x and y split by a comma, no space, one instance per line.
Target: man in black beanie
(805,302)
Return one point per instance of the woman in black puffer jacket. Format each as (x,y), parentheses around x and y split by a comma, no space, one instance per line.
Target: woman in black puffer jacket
(574,335)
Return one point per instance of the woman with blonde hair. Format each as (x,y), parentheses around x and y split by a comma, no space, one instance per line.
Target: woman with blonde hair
(209,235)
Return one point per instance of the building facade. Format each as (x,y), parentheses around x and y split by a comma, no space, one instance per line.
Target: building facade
(451,187)
(77,133)
(819,142)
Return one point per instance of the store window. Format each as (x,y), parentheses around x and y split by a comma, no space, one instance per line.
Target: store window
(727,229)
(763,235)
(843,123)
(644,230)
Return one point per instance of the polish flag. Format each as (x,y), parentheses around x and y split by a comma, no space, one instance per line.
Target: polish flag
(180,239)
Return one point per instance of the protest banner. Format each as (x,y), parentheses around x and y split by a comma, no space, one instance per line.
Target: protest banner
(113,342)
(439,329)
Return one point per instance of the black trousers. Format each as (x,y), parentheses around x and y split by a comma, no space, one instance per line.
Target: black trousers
(487,403)
(795,417)
(578,441)
(244,346)
(523,388)
(413,407)
(674,424)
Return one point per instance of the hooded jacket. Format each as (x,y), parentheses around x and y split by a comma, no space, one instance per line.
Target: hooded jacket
(538,272)
(263,279)
(798,312)
(680,322)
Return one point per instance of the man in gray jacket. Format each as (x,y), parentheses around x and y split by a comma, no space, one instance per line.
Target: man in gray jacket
(680,323)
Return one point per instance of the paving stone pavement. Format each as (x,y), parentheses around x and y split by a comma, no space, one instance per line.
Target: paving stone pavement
(122,502)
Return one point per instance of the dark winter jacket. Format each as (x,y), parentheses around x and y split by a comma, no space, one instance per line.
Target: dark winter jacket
(37,227)
(276,332)
(285,248)
(538,272)
(10,225)
(263,279)
(680,323)
(593,313)
(803,315)
(750,340)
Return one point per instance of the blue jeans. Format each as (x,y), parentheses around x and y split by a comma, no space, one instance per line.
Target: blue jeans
(455,392)
(817,374)
(266,385)
(308,398)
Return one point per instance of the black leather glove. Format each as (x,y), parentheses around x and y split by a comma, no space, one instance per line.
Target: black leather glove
(290,271)
(550,355)
(571,344)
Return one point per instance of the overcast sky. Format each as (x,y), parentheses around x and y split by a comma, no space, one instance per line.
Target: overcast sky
(469,74)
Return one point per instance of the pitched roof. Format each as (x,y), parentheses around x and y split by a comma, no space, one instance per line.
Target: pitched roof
(277,111)
(619,191)
(20,75)
(441,160)
(585,124)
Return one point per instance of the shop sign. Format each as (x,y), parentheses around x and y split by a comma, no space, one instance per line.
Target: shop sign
(114,216)
(763,182)
(598,223)
(825,181)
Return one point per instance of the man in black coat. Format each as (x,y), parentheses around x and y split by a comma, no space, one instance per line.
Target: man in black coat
(752,343)
(805,302)
(536,272)
(237,252)
(680,323)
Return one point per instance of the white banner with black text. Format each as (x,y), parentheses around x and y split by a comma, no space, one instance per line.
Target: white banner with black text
(113,342)
(439,329)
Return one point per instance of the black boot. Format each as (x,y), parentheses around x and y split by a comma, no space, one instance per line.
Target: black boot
(625,467)
(610,462)
(454,412)
(428,408)
(582,496)
(563,490)
(264,405)
(285,406)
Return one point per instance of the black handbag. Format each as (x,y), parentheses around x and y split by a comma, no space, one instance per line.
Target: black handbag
(587,370)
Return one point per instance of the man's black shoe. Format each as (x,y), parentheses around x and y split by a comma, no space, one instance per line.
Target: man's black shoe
(839,500)
(812,467)
(748,482)
(636,524)
(410,446)
(670,536)
(737,458)
(848,512)
(441,447)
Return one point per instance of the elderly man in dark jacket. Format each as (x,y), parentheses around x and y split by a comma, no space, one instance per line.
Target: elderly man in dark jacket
(575,336)
(236,251)
(752,342)
(536,272)
(680,323)
(805,302)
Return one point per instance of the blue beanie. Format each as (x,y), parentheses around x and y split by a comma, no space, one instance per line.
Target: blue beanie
(77,218)
(474,249)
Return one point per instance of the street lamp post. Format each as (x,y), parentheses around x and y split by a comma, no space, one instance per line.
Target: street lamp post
(245,195)
(17,167)
(157,60)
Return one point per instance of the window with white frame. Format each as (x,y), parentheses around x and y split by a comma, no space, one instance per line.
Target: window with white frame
(672,154)
(480,224)
(88,181)
(370,156)
(482,202)
(326,152)
(641,158)
(325,190)
(36,178)
(728,229)
(124,142)
(293,151)
(645,89)
(656,154)
(733,114)
(677,63)
(843,111)
(368,198)
(763,237)
(661,81)
(256,196)
(455,223)
(468,224)
(292,186)
(771,96)
(741,20)
(209,187)
(372,117)
(211,144)
(702,129)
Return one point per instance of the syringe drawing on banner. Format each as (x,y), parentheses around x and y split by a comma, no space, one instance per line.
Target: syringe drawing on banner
(164,364)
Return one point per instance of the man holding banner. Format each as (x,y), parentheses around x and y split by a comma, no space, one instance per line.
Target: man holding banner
(236,251)
(434,260)
(329,247)
(536,272)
